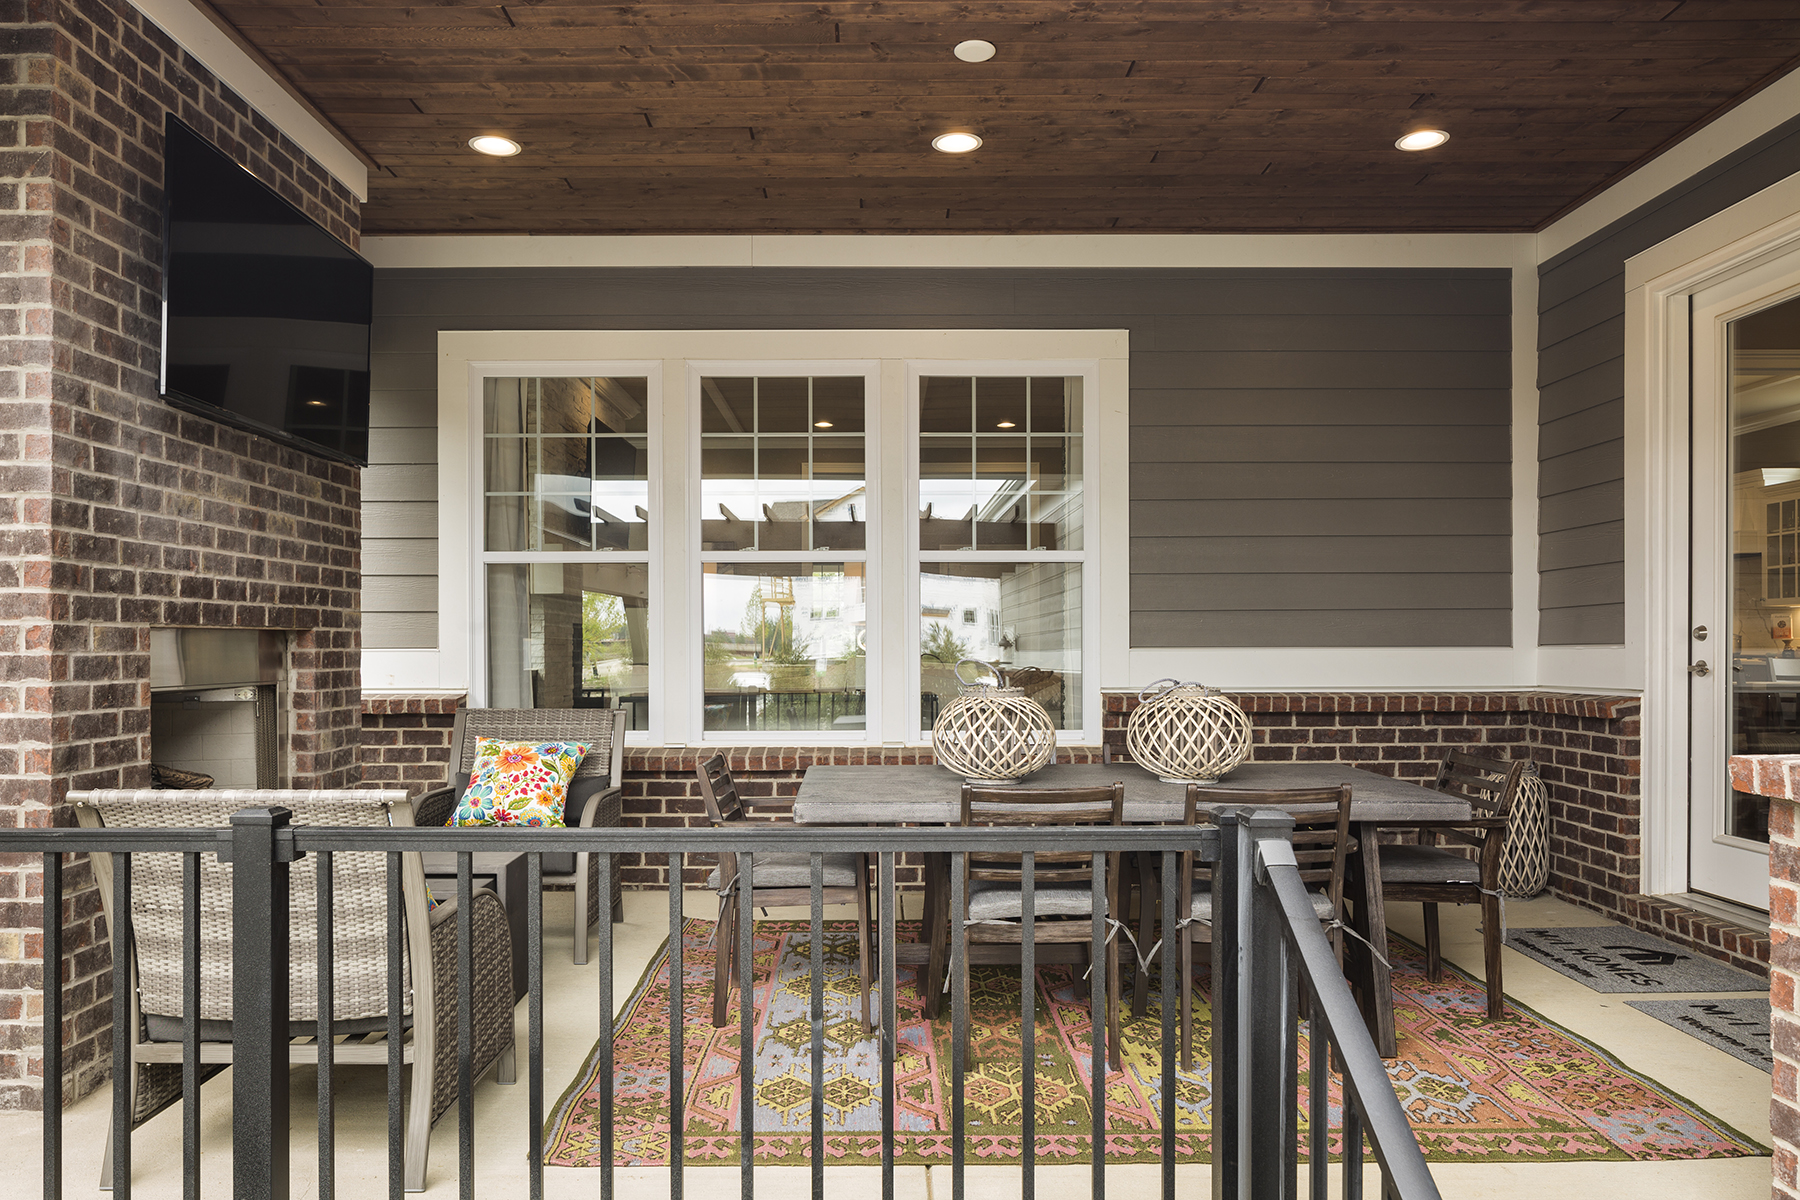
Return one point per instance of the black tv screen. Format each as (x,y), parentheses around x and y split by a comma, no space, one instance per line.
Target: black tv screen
(265,314)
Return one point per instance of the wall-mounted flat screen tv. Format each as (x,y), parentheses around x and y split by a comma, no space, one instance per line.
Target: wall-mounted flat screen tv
(265,314)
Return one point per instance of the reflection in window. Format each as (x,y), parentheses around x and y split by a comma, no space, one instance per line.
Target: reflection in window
(570,635)
(1000,463)
(1032,627)
(785,646)
(782,463)
(566,463)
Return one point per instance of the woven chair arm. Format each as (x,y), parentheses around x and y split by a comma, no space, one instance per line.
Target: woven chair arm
(597,803)
(491,939)
(433,809)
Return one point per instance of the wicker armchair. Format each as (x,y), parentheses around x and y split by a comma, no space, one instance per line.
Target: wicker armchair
(360,979)
(594,793)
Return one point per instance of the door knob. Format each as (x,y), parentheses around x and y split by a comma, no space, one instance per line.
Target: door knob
(1700,668)
(1699,633)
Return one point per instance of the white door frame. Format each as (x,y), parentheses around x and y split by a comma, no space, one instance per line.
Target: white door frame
(1754,244)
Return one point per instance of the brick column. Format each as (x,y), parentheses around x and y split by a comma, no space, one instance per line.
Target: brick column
(1784,1020)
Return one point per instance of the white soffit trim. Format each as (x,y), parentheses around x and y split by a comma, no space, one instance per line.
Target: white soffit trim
(195,32)
(1756,116)
(979,251)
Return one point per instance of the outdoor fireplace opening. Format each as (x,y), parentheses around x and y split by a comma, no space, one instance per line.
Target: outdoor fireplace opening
(218,708)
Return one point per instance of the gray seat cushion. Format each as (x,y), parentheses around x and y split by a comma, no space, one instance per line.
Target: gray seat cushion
(990,901)
(773,868)
(1202,907)
(1426,864)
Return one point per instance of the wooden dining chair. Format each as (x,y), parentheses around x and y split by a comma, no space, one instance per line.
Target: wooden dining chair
(1322,842)
(1432,874)
(777,878)
(1062,880)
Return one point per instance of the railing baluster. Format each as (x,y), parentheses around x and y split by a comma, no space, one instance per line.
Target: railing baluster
(327,998)
(396,1031)
(605,988)
(1170,962)
(1318,1098)
(1097,1013)
(884,867)
(190,1028)
(959,1013)
(677,1018)
(465,1025)
(818,1026)
(1229,892)
(746,946)
(51,979)
(1353,1144)
(121,1031)
(534,980)
(1028,1024)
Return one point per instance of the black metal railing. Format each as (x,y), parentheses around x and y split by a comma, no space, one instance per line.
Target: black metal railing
(1268,948)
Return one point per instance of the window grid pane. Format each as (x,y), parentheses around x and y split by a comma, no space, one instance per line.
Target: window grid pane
(783,464)
(566,464)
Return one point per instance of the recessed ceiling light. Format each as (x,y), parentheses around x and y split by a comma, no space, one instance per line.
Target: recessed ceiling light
(317,404)
(974,50)
(499,147)
(1004,425)
(821,424)
(955,143)
(1422,139)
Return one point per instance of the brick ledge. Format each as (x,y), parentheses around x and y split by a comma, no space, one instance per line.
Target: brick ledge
(1606,707)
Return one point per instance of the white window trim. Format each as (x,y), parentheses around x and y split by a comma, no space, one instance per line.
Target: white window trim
(466,356)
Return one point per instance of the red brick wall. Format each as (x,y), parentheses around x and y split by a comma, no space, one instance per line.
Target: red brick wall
(1784,967)
(117,513)
(406,741)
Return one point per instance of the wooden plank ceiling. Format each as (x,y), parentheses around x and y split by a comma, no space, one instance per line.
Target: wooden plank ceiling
(680,116)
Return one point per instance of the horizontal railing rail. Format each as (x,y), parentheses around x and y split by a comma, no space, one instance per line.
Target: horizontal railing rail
(264,849)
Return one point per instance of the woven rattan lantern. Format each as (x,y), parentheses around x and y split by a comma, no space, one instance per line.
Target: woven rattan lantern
(1525,861)
(1187,733)
(992,733)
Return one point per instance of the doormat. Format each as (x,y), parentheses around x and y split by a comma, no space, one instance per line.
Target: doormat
(1737,1025)
(1516,1090)
(1612,958)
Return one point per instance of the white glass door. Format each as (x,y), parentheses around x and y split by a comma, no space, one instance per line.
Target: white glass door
(1746,584)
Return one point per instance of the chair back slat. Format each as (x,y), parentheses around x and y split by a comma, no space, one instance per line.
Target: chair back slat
(1013,807)
(359,903)
(1322,838)
(1488,783)
(719,791)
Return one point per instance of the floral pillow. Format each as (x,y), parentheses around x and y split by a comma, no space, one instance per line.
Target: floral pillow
(518,783)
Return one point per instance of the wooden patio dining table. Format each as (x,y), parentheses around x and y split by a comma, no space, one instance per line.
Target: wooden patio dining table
(930,795)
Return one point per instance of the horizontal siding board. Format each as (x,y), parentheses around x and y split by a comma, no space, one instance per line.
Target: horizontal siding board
(1593,625)
(1581,587)
(1596,306)
(404,372)
(1315,480)
(400,481)
(1601,383)
(1594,505)
(1306,369)
(399,556)
(1306,592)
(1319,443)
(1357,332)
(399,631)
(1329,628)
(1590,427)
(1397,293)
(1310,518)
(399,593)
(1321,406)
(409,447)
(397,408)
(1588,545)
(1581,350)
(1582,468)
(1346,553)
(402,519)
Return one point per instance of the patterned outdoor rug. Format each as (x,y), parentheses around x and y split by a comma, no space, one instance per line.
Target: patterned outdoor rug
(1519,1090)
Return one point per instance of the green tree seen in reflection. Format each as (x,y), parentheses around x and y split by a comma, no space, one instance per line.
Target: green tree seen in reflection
(770,624)
(942,645)
(602,625)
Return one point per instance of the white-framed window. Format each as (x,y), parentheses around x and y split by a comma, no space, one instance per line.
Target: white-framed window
(770,556)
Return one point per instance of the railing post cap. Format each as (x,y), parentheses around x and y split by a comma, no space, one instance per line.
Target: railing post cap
(1269,821)
(274,815)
